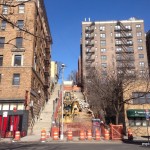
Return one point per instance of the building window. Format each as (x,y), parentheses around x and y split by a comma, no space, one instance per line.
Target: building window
(130,49)
(5,9)
(103,57)
(102,28)
(103,35)
(1,60)
(104,65)
(2,42)
(117,27)
(141,64)
(16,79)
(128,27)
(141,98)
(142,72)
(20,24)
(3,25)
(141,55)
(118,42)
(129,34)
(129,42)
(139,40)
(117,35)
(17,60)
(21,9)
(19,41)
(103,50)
(138,122)
(140,48)
(118,49)
(139,33)
(138,26)
(103,43)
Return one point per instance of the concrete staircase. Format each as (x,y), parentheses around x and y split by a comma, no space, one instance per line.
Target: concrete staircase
(45,120)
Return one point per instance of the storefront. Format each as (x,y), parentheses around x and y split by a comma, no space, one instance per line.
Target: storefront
(13,118)
(137,117)
(137,121)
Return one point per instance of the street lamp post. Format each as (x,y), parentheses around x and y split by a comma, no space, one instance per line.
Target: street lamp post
(62,101)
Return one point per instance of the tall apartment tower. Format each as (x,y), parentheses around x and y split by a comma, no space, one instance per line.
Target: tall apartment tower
(25,52)
(107,44)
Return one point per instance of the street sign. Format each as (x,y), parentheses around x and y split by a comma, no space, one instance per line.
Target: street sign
(5,114)
(147,114)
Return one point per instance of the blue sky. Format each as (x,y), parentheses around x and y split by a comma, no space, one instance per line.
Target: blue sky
(65,17)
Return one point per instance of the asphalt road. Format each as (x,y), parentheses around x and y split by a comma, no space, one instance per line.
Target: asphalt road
(70,146)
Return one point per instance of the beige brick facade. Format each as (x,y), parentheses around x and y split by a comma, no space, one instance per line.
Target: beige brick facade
(137,124)
(103,42)
(35,56)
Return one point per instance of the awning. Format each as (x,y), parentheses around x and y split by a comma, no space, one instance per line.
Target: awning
(136,113)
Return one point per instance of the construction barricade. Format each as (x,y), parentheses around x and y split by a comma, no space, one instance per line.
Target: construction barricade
(89,134)
(116,132)
(17,136)
(130,135)
(43,135)
(55,134)
(97,135)
(82,135)
(106,136)
(69,135)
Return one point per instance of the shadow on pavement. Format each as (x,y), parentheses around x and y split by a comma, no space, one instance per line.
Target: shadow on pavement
(142,143)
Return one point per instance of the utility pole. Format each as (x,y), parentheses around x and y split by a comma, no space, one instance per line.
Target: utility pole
(62,101)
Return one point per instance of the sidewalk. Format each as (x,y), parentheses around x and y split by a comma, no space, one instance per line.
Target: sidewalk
(36,138)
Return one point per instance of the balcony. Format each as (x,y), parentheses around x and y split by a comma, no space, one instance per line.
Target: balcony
(46,83)
(129,66)
(90,59)
(47,50)
(47,60)
(89,30)
(123,36)
(89,44)
(46,71)
(122,29)
(124,44)
(89,37)
(125,59)
(90,52)
(124,51)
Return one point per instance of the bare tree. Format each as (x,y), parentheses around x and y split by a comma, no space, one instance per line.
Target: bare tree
(107,92)
(73,76)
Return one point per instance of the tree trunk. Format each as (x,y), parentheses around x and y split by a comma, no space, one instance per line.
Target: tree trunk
(117,118)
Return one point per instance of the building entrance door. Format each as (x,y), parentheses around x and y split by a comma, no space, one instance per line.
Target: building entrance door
(9,125)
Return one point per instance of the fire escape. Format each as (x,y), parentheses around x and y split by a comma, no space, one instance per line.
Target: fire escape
(89,44)
(47,67)
(124,50)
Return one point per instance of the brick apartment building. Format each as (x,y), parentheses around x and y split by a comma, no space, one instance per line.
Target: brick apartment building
(113,44)
(24,64)
(108,44)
